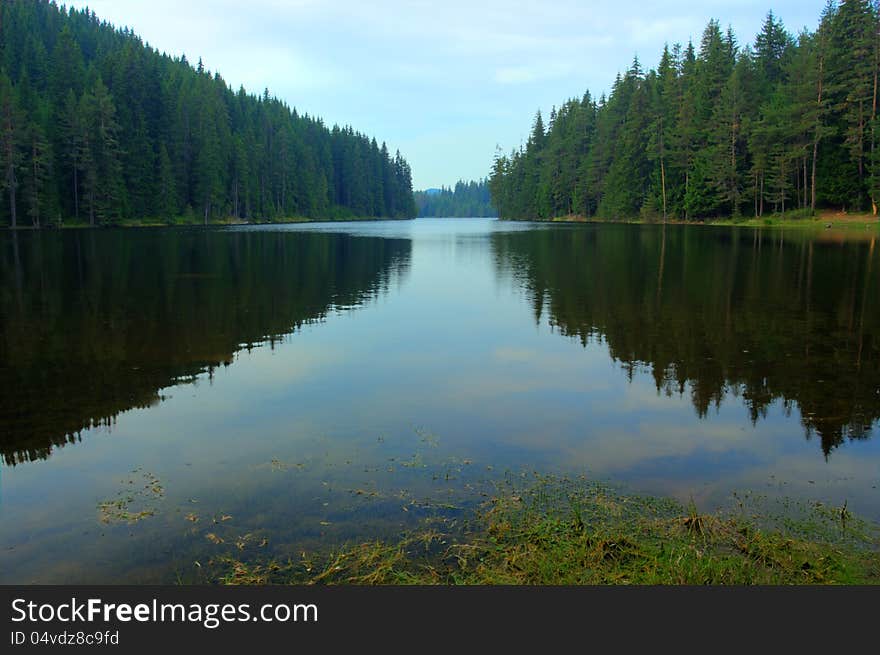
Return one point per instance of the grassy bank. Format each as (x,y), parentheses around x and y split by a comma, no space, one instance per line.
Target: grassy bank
(564,532)
(823,219)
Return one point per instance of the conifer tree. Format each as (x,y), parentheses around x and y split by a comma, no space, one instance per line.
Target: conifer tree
(715,131)
(11,135)
(37,174)
(104,107)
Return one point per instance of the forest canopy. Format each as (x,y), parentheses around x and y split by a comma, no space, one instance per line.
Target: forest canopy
(97,126)
(717,130)
(464,200)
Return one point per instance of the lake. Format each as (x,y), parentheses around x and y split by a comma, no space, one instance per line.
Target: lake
(173,397)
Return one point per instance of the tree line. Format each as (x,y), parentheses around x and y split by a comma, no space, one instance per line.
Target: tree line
(465,200)
(97,126)
(723,131)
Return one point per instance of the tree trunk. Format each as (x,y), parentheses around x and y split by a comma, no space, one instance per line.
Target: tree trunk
(11,180)
(816,139)
(761,196)
(782,183)
(813,176)
(686,181)
(12,202)
(756,196)
(36,200)
(861,141)
(805,182)
(663,184)
(75,189)
(873,128)
(734,195)
(662,170)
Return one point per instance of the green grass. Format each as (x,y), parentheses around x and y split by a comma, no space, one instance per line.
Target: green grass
(799,218)
(564,532)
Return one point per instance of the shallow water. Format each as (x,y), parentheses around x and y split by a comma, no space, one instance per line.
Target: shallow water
(175,396)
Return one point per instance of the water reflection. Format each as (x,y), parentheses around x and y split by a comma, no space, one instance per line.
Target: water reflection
(373,421)
(93,323)
(719,314)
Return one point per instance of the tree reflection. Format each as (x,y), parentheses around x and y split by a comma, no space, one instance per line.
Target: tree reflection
(719,313)
(93,323)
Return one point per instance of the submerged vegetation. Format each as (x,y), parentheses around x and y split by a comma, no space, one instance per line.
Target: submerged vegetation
(561,531)
(717,130)
(135,501)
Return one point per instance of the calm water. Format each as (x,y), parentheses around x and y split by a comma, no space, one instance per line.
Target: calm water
(173,397)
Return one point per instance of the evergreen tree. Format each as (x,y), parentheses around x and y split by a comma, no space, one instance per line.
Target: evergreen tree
(852,66)
(465,199)
(772,47)
(100,125)
(663,104)
(11,135)
(101,159)
(37,175)
(790,123)
(70,135)
(167,192)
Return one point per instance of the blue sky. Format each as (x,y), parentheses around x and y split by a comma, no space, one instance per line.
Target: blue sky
(445,82)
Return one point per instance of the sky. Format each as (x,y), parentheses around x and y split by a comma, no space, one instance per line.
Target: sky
(446,83)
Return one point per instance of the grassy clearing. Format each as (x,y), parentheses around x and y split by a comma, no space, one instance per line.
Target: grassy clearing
(801,218)
(571,532)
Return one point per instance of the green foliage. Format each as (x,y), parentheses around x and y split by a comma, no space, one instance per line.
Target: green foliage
(723,131)
(466,199)
(11,138)
(100,127)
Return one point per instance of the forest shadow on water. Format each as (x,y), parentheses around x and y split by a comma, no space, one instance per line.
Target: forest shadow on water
(99,322)
(758,315)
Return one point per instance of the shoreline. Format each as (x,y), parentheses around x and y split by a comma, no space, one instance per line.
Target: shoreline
(826,219)
(150,223)
(561,531)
